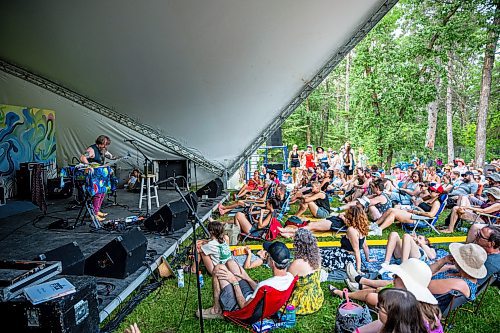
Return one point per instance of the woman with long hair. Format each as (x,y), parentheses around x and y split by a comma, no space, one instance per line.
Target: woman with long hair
(308,296)
(294,158)
(398,310)
(347,159)
(409,189)
(415,214)
(351,243)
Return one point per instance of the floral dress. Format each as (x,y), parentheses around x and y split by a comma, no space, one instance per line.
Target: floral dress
(308,296)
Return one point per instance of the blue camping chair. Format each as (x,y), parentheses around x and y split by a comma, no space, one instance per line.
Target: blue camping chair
(427,222)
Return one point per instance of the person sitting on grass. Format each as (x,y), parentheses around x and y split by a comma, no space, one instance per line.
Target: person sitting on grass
(410,246)
(350,244)
(412,215)
(214,251)
(277,191)
(260,219)
(317,202)
(253,185)
(464,210)
(308,295)
(234,289)
(409,189)
(377,203)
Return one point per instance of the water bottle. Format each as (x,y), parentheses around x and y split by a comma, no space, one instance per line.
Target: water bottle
(290,318)
(200,278)
(463,229)
(180,278)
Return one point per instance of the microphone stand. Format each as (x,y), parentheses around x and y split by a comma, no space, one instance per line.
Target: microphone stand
(147,161)
(193,222)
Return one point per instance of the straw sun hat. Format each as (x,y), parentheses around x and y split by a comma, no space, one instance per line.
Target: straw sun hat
(470,258)
(416,276)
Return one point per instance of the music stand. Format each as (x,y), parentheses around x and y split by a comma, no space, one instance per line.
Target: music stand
(147,162)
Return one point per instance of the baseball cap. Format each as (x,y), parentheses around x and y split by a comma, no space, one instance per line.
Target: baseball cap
(376,174)
(468,173)
(278,252)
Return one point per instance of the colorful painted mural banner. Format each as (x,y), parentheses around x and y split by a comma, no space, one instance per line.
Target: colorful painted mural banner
(26,135)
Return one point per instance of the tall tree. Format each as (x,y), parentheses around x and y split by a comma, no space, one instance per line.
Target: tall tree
(484,99)
(449,110)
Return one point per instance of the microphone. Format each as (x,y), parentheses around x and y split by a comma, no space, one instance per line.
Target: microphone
(129,140)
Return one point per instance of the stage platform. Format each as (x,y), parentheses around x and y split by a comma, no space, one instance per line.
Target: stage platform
(25,235)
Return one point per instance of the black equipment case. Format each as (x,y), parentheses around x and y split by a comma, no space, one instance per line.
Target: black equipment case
(74,313)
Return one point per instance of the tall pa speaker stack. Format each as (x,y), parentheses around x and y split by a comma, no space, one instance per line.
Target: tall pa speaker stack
(119,258)
(212,189)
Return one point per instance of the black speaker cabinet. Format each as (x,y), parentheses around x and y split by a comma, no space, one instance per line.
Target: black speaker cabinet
(74,313)
(70,256)
(120,257)
(23,188)
(169,218)
(172,168)
(212,189)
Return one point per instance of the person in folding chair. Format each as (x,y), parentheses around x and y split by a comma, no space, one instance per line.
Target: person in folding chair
(254,221)
(317,202)
(475,214)
(236,290)
(488,237)
(415,215)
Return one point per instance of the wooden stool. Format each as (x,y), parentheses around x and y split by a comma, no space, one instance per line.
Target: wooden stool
(149,185)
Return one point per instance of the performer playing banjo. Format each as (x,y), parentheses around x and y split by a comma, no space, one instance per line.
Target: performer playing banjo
(97,153)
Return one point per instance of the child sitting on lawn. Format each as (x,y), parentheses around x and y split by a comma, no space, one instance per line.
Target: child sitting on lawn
(216,250)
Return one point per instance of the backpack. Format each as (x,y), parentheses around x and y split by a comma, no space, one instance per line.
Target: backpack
(273,229)
(351,315)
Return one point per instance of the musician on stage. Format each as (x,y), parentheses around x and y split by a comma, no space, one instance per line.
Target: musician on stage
(97,153)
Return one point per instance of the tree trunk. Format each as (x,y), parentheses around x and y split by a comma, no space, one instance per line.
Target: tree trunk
(389,160)
(308,128)
(449,111)
(484,98)
(432,113)
(347,75)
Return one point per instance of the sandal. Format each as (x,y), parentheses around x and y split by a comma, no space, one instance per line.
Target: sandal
(332,291)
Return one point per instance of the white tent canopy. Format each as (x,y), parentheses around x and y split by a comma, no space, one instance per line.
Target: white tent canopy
(218,76)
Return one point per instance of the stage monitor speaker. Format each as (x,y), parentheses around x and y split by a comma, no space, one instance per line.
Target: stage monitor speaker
(212,189)
(276,139)
(169,218)
(120,257)
(70,256)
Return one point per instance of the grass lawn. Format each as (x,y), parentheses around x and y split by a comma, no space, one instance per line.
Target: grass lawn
(162,310)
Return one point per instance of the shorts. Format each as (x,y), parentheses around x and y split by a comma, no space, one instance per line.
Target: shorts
(322,213)
(294,164)
(227,298)
(347,171)
(415,217)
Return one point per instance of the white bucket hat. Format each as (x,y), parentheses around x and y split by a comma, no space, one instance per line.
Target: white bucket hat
(470,257)
(416,276)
